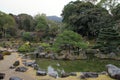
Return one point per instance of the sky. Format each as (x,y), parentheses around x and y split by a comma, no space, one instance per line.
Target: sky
(33,7)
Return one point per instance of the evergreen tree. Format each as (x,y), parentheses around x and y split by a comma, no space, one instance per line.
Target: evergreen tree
(108,40)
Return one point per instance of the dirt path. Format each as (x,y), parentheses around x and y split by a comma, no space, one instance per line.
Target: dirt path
(7,62)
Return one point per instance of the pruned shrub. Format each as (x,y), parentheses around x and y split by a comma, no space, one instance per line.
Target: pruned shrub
(26,48)
(27,36)
(6,53)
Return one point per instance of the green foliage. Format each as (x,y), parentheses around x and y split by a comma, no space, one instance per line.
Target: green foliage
(108,40)
(7,24)
(108,4)
(25,48)
(45,28)
(27,36)
(69,38)
(41,23)
(116,12)
(46,46)
(54,28)
(25,22)
(85,18)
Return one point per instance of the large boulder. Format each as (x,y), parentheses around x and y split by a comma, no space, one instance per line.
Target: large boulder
(52,72)
(41,73)
(113,71)
(21,69)
(89,75)
(53,75)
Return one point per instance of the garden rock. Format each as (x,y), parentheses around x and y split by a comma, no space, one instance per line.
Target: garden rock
(39,50)
(12,67)
(64,74)
(49,55)
(113,71)
(72,74)
(17,63)
(41,73)
(112,55)
(42,55)
(21,69)
(89,75)
(52,72)
(2,75)
(35,66)
(1,57)
(29,63)
(15,78)
(53,75)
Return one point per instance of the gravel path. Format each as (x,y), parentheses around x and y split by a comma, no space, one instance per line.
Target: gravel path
(7,62)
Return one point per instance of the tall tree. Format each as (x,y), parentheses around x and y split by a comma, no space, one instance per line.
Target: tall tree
(25,22)
(85,18)
(108,40)
(41,22)
(41,26)
(7,23)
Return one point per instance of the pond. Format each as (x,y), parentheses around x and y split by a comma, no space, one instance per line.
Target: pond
(77,65)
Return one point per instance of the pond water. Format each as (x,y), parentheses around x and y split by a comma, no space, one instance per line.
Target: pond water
(76,65)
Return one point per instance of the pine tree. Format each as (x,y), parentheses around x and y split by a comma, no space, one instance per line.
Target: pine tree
(108,40)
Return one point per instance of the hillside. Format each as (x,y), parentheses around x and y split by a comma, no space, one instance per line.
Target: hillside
(55,18)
